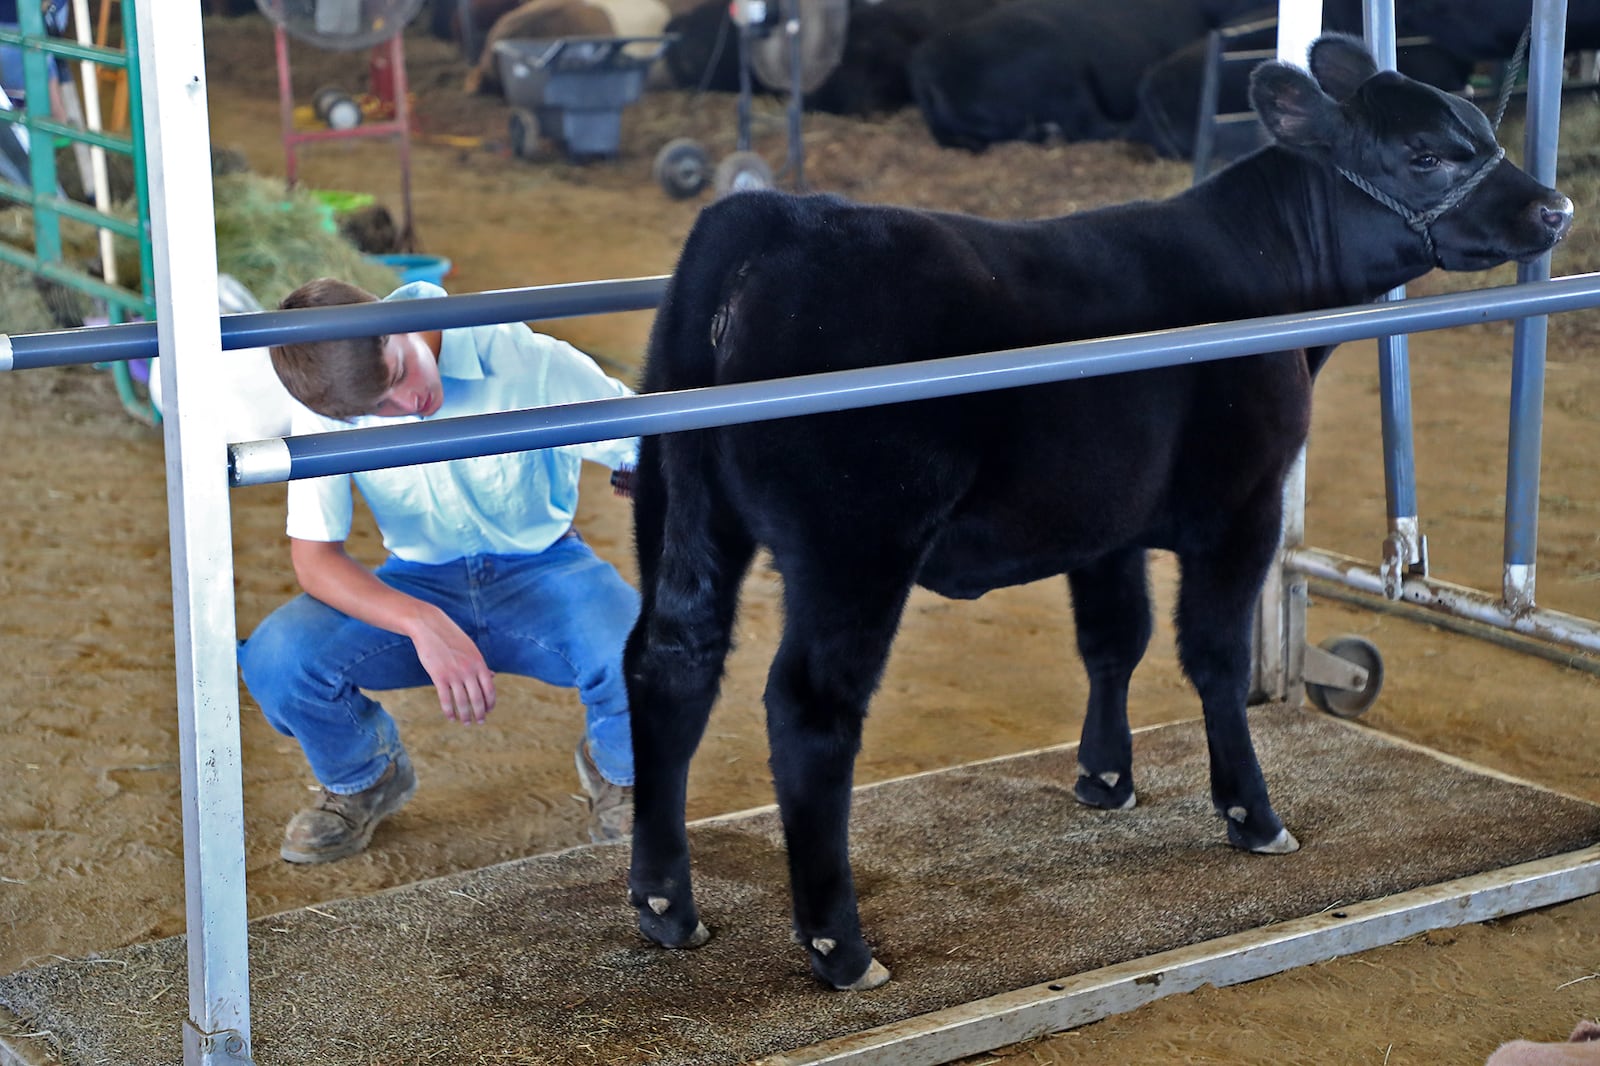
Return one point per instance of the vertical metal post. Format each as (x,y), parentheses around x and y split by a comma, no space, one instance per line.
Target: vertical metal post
(280,47)
(797,149)
(1404,548)
(1299,23)
(467,32)
(141,169)
(1546,55)
(1205,134)
(742,139)
(36,78)
(402,121)
(217,1031)
(1279,637)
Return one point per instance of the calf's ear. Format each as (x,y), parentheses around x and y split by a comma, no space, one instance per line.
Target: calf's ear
(1293,108)
(1340,64)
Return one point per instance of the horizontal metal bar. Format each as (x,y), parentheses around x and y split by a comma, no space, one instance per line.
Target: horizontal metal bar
(72,209)
(1448,599)
(366,129)
(1573,658)
(122,227)
(1012,1017)
(50,127)
(137,340)
(320,454)
(63,46)
(73,279)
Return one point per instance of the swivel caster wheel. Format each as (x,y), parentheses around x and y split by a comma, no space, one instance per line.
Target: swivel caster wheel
(523,130)
(741,172)
(682,168)
(1338,699)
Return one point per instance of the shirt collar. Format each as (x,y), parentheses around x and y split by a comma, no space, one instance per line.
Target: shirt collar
(458,355)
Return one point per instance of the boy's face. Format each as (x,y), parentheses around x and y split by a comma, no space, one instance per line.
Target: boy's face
(414,385)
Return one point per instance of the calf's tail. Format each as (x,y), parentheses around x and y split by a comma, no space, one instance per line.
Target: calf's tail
(680,511)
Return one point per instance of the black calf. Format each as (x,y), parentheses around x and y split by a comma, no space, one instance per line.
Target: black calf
(966,494)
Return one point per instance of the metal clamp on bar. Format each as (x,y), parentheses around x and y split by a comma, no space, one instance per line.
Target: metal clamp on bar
(1517,588)
(223,1046)
(256,462)
(1405,553)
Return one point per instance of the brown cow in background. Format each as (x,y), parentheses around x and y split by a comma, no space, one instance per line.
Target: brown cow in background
(549,19)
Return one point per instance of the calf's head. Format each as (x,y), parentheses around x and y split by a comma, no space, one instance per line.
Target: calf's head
(1428,156)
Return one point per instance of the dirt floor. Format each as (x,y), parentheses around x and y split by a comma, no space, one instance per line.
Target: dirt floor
(90,820)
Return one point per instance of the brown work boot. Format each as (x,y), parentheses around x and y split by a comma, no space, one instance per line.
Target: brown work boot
(338,827)
(610,806)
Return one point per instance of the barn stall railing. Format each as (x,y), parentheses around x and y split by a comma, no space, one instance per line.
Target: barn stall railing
(1285,663)
(217,1030)
(281,459)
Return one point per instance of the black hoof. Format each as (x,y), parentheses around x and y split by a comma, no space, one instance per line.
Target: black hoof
(1109,790)
(672,925)
(1262,834)
(848,968)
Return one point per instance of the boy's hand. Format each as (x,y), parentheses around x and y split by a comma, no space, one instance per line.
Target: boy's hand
(622,482)
(463,680)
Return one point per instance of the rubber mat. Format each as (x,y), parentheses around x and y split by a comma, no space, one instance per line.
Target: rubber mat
(974,881)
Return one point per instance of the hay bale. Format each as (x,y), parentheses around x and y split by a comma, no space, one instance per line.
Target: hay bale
(274,240)
(25,308)
(269,238)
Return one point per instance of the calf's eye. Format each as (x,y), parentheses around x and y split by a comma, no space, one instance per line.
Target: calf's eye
(1425,161)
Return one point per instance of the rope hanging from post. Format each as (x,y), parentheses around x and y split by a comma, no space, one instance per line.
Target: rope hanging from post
(1519,56)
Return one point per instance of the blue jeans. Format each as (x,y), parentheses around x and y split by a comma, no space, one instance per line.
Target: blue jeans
(560,617)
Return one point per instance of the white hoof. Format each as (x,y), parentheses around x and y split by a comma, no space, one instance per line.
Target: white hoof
(876,975)
(1282,844)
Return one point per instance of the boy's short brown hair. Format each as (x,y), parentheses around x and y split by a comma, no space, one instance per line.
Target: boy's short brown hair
(340,378)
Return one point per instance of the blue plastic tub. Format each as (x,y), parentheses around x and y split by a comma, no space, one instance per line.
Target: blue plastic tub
(416,267)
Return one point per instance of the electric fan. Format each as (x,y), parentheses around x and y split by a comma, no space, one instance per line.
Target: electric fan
(785,45)
(347,25)
(341,25)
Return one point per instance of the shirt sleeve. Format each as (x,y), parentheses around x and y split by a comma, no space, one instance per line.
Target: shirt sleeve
(320,508)
(571,377)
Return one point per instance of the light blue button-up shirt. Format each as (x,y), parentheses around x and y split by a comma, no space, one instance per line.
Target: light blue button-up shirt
(519,503)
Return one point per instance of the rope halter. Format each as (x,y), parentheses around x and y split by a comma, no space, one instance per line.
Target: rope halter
(1421,222)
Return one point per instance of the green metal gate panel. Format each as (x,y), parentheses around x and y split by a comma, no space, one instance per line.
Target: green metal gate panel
(44,134)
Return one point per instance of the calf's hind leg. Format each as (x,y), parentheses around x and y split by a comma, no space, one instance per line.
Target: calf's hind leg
(840,622)
(1111,611)
(673,663)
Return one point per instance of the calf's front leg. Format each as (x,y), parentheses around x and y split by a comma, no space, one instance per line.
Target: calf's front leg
(1216,601)
(1111,613)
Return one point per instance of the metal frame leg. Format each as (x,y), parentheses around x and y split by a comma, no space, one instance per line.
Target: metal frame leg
(1404,548)
(217,1031)
(1546,56)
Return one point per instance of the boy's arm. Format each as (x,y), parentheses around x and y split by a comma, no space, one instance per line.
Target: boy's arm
(463,680)
(572,376)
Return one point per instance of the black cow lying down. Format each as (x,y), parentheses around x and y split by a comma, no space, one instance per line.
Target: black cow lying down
(967,494)
(1030,70)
